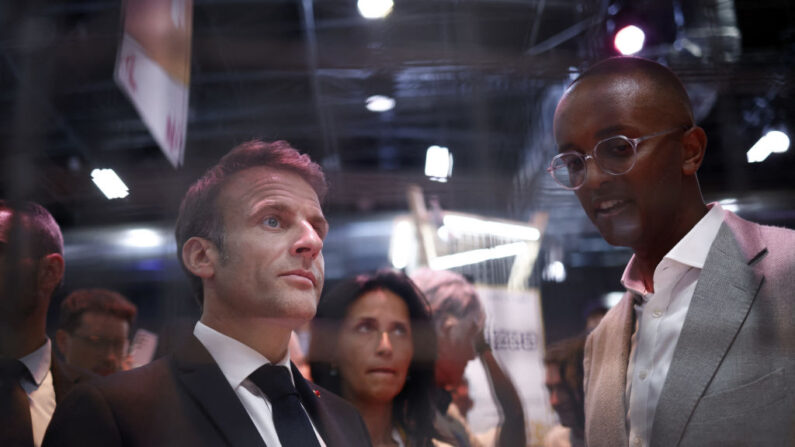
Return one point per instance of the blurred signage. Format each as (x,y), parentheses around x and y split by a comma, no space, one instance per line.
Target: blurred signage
(153,68)
(514,330)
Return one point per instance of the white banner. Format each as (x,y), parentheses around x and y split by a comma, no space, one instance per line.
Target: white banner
(515,333)
(153,68)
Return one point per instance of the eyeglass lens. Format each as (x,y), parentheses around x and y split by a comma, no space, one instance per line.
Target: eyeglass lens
(614,156)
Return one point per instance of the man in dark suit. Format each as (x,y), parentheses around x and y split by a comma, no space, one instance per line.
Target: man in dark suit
(249,236)
(32,380)
(699,352)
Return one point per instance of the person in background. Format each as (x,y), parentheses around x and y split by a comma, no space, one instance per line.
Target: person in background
(563,379)
(94,330)
(700,350)
(593,316)
(32,380)
(373,344)
(250,236)
(458,321)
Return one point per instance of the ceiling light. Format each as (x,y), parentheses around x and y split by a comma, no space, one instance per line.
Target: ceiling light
(554,272)
(629,40)
(774,141)
(380,103)
(141,238)
(438,163)
(109,183)
(375,9)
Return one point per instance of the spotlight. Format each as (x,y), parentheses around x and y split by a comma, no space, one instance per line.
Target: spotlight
(109,183)
(438,163)
(380,103)
(375,9)
(629,40)
(774,141)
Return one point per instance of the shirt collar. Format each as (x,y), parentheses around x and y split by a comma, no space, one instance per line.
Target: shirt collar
(38,362)
(691,250)
(236,360)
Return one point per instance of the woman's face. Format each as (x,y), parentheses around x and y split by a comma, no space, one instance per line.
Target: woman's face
(374,347)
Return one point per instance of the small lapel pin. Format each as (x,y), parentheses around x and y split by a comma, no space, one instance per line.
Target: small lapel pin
(317,393)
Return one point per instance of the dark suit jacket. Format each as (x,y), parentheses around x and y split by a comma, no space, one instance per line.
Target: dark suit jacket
(184,399)
(65,377)
(731,381)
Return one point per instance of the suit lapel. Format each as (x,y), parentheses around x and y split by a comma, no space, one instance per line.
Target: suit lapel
(64,377)
(203,380)
(726,289)
(315,406)
(606,409)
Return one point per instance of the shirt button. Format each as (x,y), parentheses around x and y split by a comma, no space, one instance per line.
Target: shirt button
(642,376)
(657,313)
(637,442)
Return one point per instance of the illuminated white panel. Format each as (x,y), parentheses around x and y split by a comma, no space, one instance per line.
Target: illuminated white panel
(109,183)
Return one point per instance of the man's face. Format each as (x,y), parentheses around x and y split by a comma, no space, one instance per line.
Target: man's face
(18,270)
(559,397)
(456,348)
(271,264)
(640,208)
(99,343)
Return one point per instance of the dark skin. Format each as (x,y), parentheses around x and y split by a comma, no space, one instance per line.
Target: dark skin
(653,206)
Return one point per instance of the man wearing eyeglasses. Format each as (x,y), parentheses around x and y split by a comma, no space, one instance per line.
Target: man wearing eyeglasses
(94,330)
(701,349)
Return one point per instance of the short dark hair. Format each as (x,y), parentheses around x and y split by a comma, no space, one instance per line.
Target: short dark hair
(659,74)
(413,407)
(568,355)
(102,301)
(199,214)
(40,230)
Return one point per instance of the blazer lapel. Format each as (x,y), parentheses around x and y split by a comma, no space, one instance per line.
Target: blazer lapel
(605,408)
(726,289)
(312,401)
(203,380)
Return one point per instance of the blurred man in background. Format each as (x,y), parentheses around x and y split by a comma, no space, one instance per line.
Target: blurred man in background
(459,319)
(94,330)
(563,379)
(32,379)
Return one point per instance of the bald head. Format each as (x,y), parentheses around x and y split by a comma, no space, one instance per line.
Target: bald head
(637,77)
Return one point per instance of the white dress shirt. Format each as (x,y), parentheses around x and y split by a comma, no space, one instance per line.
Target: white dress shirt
(237,361)
(41,391)
(659,320)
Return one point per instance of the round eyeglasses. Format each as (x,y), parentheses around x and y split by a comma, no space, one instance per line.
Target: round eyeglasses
(615,155)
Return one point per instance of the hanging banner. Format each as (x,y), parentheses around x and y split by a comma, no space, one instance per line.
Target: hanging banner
(515,332)
(153,68)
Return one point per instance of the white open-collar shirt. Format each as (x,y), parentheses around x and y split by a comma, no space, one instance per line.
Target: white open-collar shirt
(237,361)
(659,320)
(40,391)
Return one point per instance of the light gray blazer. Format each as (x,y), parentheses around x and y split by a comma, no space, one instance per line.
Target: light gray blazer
(732,378)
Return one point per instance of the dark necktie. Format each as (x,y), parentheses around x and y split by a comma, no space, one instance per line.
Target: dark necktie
(292,423)
(15,429)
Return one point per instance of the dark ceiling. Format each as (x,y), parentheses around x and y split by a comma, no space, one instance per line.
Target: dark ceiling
(479,76)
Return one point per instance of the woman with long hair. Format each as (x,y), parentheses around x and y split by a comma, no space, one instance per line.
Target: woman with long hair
(373,343)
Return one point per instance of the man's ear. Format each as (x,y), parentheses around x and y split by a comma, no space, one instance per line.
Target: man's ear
(62,341)
(50,273)
(200,257)
(694,144)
